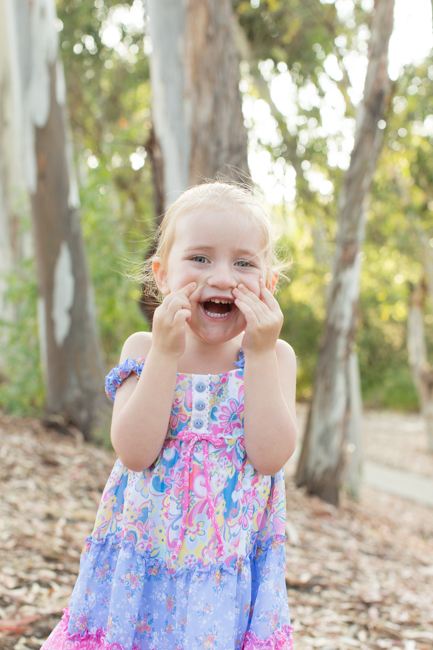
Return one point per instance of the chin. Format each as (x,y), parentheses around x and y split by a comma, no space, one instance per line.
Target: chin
(217,333)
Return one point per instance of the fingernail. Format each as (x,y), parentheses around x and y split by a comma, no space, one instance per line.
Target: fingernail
(241,286)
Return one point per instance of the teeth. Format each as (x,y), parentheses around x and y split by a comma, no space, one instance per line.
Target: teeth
(223,302)
(212,315)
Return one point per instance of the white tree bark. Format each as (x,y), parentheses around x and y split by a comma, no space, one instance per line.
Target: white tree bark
(198,128)
(12,187)
(197,110)
(324,448)
(67,323)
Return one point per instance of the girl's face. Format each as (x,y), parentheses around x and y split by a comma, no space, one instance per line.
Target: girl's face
(218,251)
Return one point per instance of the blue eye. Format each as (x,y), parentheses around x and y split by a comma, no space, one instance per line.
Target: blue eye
(201,259)
(244,263)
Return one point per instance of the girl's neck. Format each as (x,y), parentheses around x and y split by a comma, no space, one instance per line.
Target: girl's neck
(202,358)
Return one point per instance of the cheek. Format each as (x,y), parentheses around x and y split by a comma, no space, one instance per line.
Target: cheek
(252,283)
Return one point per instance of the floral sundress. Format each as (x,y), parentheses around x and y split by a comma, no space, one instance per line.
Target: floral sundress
(189,553)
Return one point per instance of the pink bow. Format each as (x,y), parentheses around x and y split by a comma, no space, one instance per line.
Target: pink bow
(192,437)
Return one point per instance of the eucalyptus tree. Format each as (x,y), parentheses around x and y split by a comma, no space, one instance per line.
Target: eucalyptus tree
(403,197)
(196,103)
(198,126)
(11,181)
(323,453)
(68,335)
(309,46)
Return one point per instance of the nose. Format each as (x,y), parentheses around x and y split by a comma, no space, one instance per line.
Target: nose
(222,277)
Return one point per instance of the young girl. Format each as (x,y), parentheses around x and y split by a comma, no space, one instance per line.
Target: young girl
(188,547)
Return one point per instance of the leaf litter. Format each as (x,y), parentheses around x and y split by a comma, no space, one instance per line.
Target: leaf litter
(360,576)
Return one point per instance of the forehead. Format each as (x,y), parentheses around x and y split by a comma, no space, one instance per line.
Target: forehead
(223,229)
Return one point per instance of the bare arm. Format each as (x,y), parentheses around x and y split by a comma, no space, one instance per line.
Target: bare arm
(270,419)
(142,408)
(270,380)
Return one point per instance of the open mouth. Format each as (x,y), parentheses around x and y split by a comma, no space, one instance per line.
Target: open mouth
(216,308)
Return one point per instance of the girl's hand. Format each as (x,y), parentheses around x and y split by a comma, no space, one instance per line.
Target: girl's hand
(264,318)
(169,322)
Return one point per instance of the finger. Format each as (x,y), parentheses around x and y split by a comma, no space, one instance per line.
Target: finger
(178,302)
(267,297)
(187,289)
(252,300)
(181,316)
(247,311)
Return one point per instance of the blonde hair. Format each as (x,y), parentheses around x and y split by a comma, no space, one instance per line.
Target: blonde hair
(208,196)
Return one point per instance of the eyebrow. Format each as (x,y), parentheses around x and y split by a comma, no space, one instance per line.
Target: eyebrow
(244,252)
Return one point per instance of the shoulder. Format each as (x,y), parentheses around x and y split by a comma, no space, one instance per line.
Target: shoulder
(137,346)
(285,353)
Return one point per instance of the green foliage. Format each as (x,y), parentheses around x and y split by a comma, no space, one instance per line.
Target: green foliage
(111,258)
(298,37)
(108,93)
(108,98)
(21,383)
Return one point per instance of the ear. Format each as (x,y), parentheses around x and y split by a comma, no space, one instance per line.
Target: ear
(273,283)
(160,275)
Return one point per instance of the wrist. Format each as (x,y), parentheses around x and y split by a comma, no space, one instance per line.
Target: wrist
(260,356)
(163,357)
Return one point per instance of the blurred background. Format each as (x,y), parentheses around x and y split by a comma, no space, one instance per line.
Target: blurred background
(302,70)
(108,110)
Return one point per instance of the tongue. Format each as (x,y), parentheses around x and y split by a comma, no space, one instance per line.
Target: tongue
(217,307)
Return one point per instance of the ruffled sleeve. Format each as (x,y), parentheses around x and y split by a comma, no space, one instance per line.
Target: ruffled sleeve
(240,363)
(116,376)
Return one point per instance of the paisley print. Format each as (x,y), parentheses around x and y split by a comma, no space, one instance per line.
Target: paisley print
(189,553)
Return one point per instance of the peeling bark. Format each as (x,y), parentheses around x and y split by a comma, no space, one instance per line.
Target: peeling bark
(198,124)
(322,459)
(73,360)
(197,110)
(69,342)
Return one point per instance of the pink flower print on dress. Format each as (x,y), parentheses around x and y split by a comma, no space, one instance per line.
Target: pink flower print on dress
(81,622)
(207,641)
(171,602)
(153,570)
(231,416)
(102,572)
(169,628)
(196,529)
(143,626)
(131,580)
(189,560)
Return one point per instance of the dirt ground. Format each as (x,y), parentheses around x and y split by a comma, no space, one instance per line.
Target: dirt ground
(357,577)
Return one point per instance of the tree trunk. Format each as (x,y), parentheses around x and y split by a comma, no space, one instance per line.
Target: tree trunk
(322,458)
(11,182)
(422,372)
(197,109)
(67,321)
